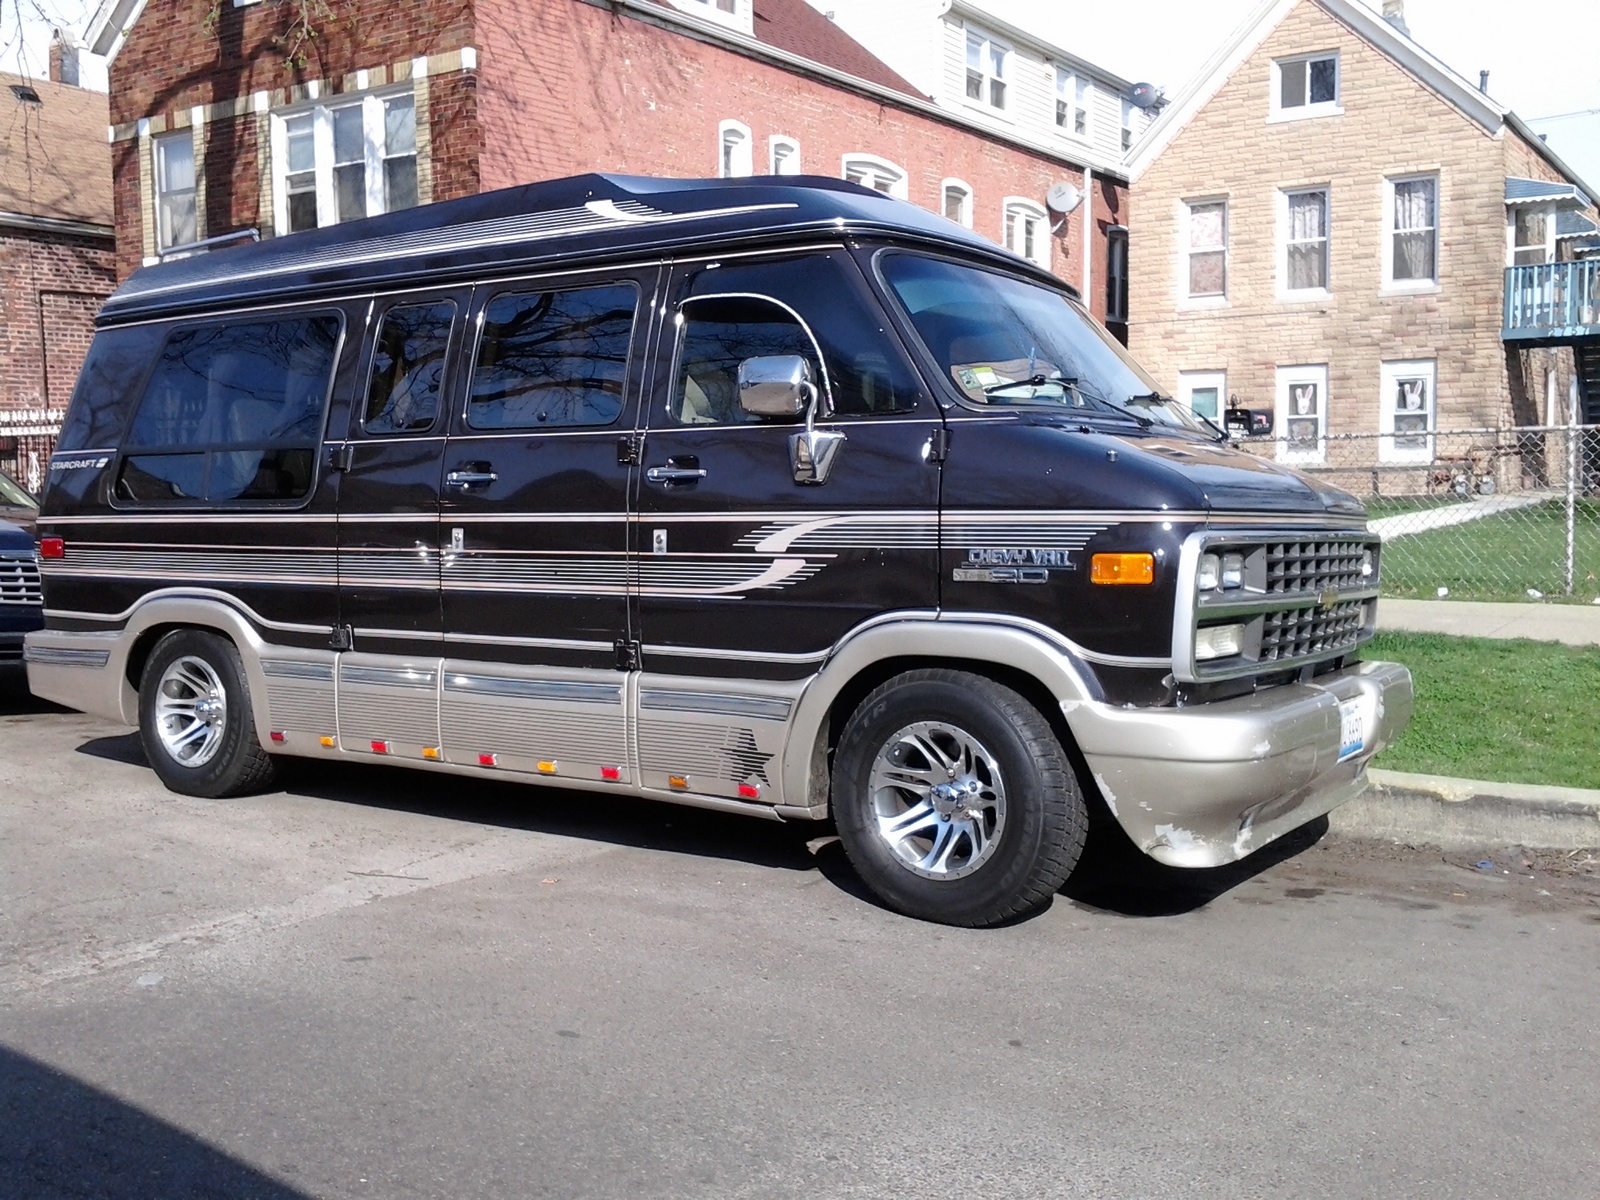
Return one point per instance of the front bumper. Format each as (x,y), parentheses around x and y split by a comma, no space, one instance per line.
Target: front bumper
(1207,785)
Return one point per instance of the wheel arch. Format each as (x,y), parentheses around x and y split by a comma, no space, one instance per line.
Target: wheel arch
(156,618)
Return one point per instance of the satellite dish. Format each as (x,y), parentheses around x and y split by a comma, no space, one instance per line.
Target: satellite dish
(1063,197)
(1145,95)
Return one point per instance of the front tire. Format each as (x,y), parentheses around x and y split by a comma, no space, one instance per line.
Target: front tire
(954,799)
(195,719)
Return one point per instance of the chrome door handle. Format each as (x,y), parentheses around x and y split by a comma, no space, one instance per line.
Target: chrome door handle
(669,476)
(469,479)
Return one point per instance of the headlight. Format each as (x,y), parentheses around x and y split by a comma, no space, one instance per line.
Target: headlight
(1209,575)
(1233,570)
(1218,641)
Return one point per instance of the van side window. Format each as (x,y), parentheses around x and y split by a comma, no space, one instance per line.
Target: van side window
(719,334)
(868,374)
(552,359)
(232,412)
(108,387)
(408,368)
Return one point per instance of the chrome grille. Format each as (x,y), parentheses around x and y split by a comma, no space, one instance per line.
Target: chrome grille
(19,581)
(1300,632)
(1310,568)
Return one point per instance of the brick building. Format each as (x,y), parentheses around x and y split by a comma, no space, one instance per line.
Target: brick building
(254,119)
(1334,224)
(56,257)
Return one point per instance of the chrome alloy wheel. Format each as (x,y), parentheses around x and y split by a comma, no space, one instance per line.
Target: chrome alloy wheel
(939,800)
(191,711)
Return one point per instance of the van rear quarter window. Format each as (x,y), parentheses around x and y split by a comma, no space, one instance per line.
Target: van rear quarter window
(553,359)
(233,411)
(107,387)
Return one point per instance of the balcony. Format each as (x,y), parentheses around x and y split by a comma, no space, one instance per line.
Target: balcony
(1552,302)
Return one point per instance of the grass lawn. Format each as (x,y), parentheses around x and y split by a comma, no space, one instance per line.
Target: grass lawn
(1494,558)
(1510,711)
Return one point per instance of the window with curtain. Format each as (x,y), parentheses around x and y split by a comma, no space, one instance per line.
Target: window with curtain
(1306,241)
(986,70)
(175,189)
(1531,243)
(1208,248)
(1413,222)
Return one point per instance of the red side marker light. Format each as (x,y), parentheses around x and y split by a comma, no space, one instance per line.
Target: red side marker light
(52,547)
(279,735)
(380,747)
(749,791)
(488,760)
(611,773)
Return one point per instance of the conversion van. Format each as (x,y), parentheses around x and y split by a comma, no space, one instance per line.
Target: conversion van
(777,497)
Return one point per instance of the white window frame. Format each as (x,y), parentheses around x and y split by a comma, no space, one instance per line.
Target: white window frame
(1389,282)
(1285,292)
(734,137)
(1077,93)
(1128,134)
(961,186)
(874,168)
(373,105)
(735,14)
(1555,409)
(1187,250)
(791,163)
(1301,112)
(1512,247)
(1424,372)
(1190,382)
(158,150)
(989,47)
(1021,208)
(1289,378)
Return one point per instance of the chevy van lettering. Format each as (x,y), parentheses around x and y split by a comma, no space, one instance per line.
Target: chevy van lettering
(1030,557)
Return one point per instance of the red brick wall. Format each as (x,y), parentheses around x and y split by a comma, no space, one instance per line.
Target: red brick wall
(457,135)
(54,285)
(567,87)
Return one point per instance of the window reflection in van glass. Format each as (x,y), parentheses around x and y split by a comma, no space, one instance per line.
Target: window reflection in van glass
(551,359)
(108,386)
(719,334)
(408,368)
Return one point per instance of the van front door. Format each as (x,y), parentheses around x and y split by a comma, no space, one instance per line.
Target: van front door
(748,575)
(535,533)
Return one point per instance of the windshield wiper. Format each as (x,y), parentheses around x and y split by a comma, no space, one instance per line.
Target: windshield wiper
(1221,434)
(1065,382)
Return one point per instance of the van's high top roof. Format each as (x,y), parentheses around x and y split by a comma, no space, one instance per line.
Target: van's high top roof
(584,219)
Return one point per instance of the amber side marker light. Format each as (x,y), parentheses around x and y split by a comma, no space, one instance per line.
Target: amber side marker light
(1122,568)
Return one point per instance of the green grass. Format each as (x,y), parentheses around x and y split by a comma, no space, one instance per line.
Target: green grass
(1494,558)
(1510,711)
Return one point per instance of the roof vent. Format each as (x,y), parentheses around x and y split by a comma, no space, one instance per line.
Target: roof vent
(1483,82)
(26,94)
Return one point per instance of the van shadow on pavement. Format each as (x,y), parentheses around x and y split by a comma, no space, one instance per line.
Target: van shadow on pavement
(16,699)
(1113,875)
(60,1137)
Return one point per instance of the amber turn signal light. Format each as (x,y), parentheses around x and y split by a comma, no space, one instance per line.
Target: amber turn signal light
(1122,568)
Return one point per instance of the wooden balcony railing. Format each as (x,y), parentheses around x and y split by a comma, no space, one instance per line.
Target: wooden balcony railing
(1552,302)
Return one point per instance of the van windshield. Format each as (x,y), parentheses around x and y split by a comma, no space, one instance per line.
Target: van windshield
(1009,341)
(12,495)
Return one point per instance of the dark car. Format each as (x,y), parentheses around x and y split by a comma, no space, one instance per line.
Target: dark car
(21,603)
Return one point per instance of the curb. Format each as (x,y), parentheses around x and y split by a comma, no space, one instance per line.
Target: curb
(1461,814)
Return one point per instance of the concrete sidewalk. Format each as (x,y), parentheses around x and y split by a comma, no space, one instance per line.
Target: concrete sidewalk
(1574,624)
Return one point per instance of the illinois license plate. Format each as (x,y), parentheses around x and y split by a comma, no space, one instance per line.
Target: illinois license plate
(1352,730)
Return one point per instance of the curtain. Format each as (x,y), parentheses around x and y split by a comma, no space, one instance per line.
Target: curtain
(1414,229)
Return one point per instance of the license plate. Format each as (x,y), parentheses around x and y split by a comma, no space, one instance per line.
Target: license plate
(1352,731)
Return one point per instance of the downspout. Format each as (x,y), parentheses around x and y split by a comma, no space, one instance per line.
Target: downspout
(1088,221)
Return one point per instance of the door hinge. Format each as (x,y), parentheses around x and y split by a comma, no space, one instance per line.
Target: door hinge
(341,637)
(342,458)
(939,445)
(629,449)
(627,655)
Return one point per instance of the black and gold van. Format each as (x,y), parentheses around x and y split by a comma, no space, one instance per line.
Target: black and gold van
(774,496)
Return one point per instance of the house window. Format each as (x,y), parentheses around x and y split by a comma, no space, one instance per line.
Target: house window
(1406,418)
(1412,247)
(1074,96)
(1027,230)
(1303,414)
(957,202)
(876,173)
(342,162)
(986,70)
(1127,124)
(733,150)
(1306,86)
(1117,275)
(1305,241)
(1208,248)
(784,156)
(1203,392)
(1531,241)
(175,190)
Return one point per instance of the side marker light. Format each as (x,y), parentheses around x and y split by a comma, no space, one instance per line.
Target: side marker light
(380,747)
(1122,568)
(678,781)
(611,773)
(278,735)
(431,753)
(52,547)
(488,760)
(327,743)
(749,791)
(547,766)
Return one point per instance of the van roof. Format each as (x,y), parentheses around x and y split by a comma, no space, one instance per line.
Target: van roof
(582,219)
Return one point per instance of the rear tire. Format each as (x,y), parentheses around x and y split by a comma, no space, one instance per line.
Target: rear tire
(955,801)
(195,719)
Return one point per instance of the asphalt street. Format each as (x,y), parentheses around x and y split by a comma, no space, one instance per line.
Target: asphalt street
(377,983)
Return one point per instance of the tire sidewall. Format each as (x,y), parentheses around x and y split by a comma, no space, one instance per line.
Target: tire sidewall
(218,776)
(975,710)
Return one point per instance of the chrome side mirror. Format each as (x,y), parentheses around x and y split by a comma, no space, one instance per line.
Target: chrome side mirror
(777,385)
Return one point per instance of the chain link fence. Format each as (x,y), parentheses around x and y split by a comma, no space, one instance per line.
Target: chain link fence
(1469,514)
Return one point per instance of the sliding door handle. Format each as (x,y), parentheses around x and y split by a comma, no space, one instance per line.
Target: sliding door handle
(478,476)
(670,476)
